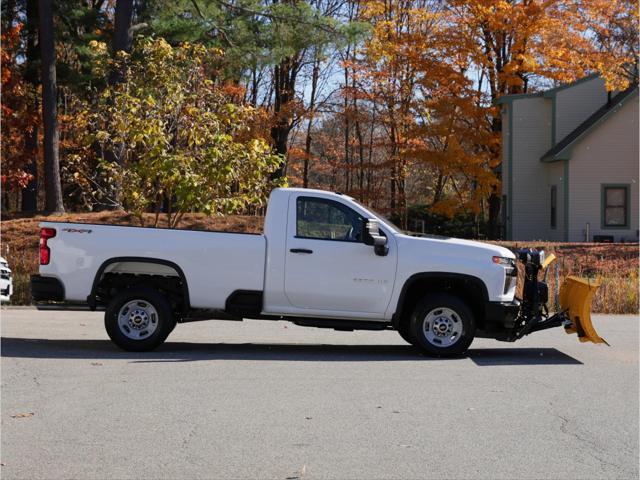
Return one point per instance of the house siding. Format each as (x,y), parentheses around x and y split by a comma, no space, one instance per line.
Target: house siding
(531,138)
(556,177)
(505,112)
(575,103)
(606,155)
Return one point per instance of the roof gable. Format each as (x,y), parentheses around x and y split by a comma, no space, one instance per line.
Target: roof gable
(562,149)
(546,93)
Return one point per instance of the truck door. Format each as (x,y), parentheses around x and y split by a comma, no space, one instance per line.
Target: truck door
(328,268)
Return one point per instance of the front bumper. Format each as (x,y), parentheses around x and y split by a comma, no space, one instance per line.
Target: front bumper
(46,289)
(499,320)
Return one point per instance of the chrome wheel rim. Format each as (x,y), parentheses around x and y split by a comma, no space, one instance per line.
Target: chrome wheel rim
(138,319)
(442,327)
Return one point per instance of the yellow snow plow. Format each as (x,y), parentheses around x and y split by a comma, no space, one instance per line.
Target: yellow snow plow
(574,300)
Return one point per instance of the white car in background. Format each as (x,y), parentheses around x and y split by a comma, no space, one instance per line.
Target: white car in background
(6,281)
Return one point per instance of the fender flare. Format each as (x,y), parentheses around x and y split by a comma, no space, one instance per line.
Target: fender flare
(91,299)
(416,277)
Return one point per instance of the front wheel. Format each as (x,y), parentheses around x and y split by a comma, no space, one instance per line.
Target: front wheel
(405,333)
(442,325)
(139,319)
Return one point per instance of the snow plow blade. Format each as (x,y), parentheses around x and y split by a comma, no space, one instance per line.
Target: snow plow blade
(575,299)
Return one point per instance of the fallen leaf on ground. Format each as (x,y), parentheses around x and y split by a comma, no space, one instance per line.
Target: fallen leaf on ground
(96,364)
(303,470)
(23,415)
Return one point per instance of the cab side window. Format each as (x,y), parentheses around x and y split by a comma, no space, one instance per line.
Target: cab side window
(324,219)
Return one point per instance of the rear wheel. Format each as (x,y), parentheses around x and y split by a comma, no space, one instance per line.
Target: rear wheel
(442,325)
(139,319)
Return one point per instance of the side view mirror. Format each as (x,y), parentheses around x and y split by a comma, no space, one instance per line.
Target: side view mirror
(371,236)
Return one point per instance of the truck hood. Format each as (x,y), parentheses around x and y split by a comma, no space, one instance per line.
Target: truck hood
(466,248)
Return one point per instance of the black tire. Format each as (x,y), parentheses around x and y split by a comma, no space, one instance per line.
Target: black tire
(405,333)
(445,311)
(156,312)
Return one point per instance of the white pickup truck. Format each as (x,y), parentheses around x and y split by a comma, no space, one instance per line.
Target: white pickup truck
(324,260)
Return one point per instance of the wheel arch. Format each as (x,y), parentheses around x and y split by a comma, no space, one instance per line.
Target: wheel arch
(91,299)
(469,288)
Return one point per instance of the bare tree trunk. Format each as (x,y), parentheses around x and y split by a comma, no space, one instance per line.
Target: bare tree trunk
(394,168)
(53,187)
(30,193)
(360,141)
(122,36)
(493,227)
(347,127)
(122,41)
(284,84)
(285,74)
(372,127)
(437,193)
(312,105)
(255,82)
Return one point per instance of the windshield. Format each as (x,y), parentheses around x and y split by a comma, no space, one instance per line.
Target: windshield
(384,220)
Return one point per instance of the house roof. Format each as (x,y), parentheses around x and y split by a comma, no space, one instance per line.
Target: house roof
(551,92)
(545,93)
(516,96)
(562,149)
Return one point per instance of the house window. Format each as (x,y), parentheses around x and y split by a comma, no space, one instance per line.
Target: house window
(615,206)
(554,206)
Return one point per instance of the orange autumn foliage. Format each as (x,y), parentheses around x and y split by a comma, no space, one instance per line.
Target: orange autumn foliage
(435,118)
(518,41)
(432,71)
(18,113)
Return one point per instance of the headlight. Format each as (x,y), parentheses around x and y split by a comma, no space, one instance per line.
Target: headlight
(511,272)
(505,261)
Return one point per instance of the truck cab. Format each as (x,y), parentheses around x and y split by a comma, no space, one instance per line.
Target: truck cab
(327,268)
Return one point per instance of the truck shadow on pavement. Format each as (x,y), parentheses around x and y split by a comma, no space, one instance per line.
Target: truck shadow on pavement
(189,352)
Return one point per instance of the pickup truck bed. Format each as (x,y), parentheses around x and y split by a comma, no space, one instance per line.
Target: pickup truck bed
(199,255)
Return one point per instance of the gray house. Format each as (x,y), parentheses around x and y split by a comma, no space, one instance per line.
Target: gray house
(570,164)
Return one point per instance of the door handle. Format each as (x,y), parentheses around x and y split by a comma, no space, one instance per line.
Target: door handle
(301,250)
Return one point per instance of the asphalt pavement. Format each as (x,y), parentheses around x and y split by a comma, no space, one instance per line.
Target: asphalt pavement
(272,400)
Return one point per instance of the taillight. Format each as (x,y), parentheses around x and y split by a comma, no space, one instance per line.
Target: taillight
(45,253)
